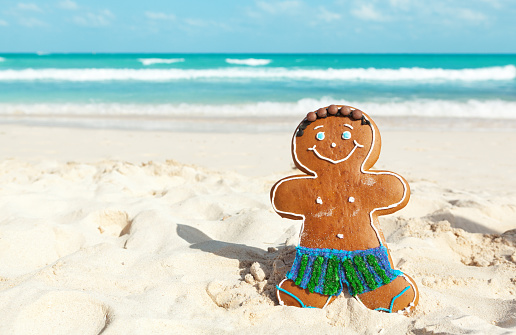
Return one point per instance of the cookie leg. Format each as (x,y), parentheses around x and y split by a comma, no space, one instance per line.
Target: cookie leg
(290,294)
(399,296)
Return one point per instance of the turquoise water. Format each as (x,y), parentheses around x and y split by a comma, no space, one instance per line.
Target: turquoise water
(275,84)
(211,61)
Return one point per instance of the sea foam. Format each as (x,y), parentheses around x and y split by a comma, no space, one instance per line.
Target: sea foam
(2,59)
(507,72)
(483,109)
(151,61)
(249,61)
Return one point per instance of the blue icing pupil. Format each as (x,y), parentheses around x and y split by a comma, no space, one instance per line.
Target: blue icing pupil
(346,135)
(320,136)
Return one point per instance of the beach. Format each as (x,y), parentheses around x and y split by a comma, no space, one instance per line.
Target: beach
(132,231)
(135,190)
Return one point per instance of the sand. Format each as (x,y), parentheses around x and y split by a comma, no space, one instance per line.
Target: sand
(134,232)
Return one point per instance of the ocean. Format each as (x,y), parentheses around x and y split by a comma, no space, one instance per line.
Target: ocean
(153,91)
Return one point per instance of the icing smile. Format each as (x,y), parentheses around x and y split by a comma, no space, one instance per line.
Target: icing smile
(357,145)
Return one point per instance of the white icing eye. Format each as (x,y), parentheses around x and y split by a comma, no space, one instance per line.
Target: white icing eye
(320,136)
(346,135)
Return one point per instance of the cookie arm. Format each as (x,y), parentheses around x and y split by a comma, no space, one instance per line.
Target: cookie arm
(392,192)
(287,197)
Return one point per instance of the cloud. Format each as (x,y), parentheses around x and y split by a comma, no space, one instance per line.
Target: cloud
(3,23)
(196,22)
(327,16)
(68,4)
(28,7)
(159,16)
(401,4)
(202,23)
(493,3)
(457,16)
(367,12)
(102,18)
(278,7)
(470,15)
(31,22)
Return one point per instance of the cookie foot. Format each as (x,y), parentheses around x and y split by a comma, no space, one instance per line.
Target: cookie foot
(399,296)
(290,294)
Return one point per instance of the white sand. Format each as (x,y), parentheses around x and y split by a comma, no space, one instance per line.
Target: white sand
(95,238)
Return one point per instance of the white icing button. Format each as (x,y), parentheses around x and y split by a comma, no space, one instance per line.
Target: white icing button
(333,145)
(319,200)
(340,235)
(351,199)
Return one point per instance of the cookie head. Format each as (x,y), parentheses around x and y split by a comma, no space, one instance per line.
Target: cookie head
(334,141)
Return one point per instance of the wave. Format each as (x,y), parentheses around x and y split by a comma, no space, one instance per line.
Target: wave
(151,61)
(249,61)
(482,109)
(2,59)
(371,74)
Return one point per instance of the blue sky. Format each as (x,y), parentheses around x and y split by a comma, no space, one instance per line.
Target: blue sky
(437,26)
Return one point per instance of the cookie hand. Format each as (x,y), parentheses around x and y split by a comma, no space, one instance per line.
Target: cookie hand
(290,188)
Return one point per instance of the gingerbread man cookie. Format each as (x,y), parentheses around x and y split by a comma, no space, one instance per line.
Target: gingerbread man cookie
(339,199)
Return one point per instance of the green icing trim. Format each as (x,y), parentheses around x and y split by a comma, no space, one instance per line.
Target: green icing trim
(316,274)
(352,277)
(331,280)
(378,269)
(319,270)
(302,268)
(368,276)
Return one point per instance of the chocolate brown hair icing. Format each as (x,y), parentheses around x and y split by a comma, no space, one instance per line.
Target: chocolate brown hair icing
(330,111)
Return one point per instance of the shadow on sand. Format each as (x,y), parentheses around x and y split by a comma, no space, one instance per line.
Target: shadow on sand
(275,261)
(201,241)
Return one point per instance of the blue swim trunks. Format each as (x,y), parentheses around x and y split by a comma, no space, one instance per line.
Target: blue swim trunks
(326,270)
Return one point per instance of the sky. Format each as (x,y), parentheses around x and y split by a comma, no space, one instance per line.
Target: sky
(264,26)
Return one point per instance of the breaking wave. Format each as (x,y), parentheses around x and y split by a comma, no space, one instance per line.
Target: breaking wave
(419,108)
(249,61)
(151,61)
(507,72)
